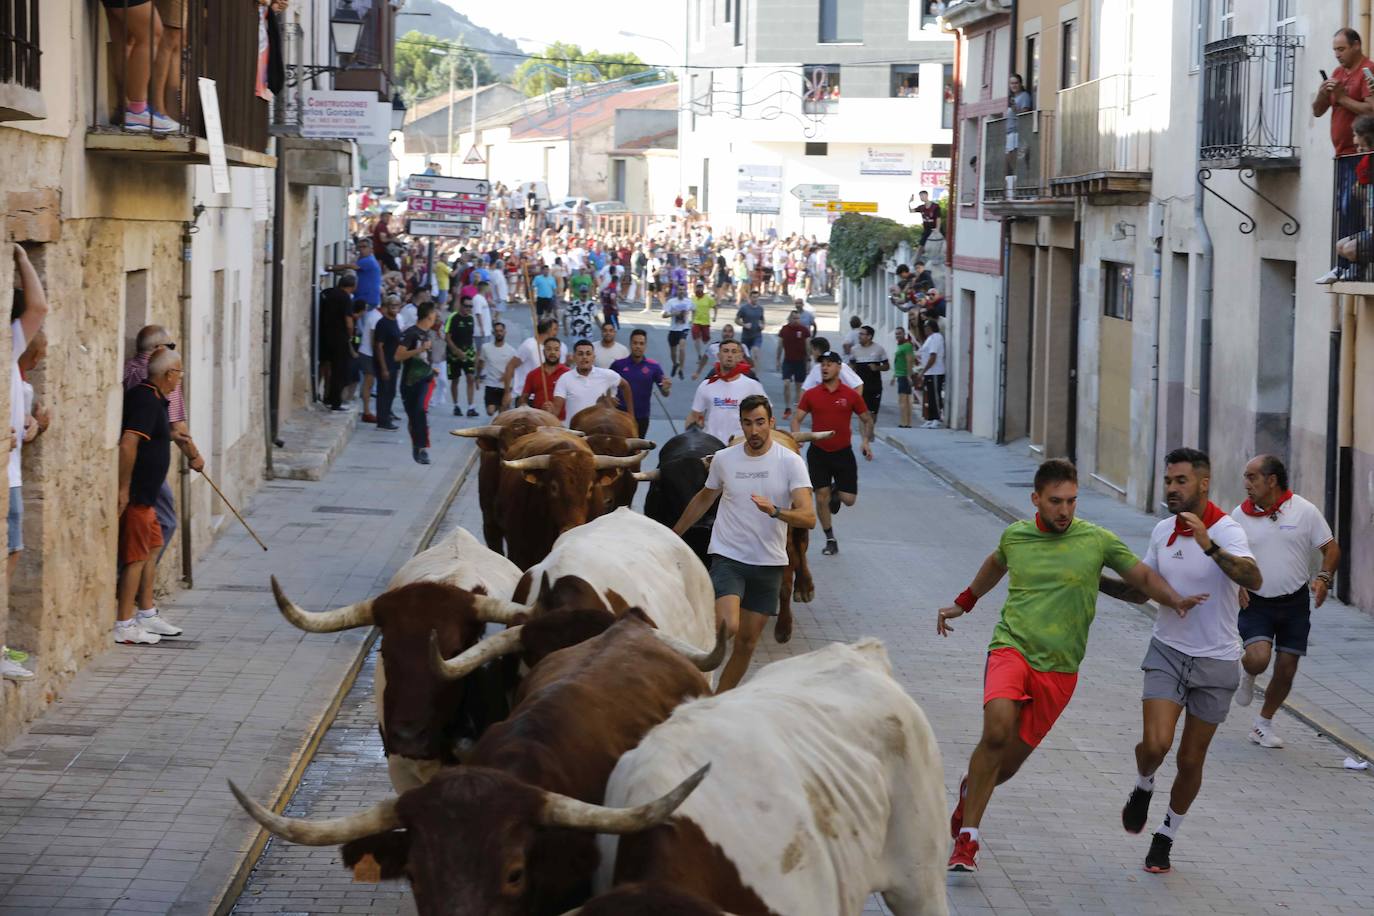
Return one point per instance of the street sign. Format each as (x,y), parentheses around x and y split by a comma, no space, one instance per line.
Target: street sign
(761,171)
(852,206)
(442,228)
(447,205)
(813,207)
(758,205)
(816,192)
(473,157)
(444,183)
(759,187)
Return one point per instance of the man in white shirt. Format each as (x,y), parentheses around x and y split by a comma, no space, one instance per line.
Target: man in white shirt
(678,310)
(370,319)
(1191,665)
(764,490)
(580,388)
(528,356)
(848,376)
(715,407)
(1284,530)
(609,349)
(930,360)
(481,314)
(712,352)
(493,359)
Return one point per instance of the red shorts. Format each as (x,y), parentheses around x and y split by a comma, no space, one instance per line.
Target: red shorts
(1042,694)
(139,534)
(701,332)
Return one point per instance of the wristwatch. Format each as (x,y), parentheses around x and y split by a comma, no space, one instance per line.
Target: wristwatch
(775,513)
(1211,550)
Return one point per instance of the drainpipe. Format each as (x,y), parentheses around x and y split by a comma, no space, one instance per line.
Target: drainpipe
(188,227)
(275,323)
(1152,430)
(1204,297)
(1075,311)
(1333,409)
(1000,426)
(1346,439)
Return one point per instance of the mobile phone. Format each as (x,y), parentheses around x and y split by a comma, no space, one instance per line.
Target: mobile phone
(1324,76)
(1369,77)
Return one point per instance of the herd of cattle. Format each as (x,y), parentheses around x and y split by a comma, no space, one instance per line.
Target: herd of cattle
(551,733)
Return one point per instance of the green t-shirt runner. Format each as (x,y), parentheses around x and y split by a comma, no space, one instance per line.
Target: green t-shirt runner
(1052,590)
(901,359)
(701,309)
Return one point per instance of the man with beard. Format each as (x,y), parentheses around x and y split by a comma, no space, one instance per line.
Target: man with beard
(1056,563)
(715,407)
(492,361)
(540,383)
(642,374)
(763,490)
(830,462)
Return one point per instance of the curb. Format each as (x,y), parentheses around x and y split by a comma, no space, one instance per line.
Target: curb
(1326,725)
(233,889)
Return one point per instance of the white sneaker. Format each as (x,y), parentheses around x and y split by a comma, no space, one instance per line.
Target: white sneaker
(134,635)
(1265,737)
(1331,276)
(1245,693)
(13,670)
(156,624)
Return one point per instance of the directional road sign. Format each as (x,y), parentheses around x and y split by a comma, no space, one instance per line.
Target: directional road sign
(816,192)
(444,183)
(447,205)
(852,206)
(813,207)
(442,228)
(753,204)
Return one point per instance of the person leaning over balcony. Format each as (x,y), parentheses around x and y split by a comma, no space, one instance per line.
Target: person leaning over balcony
(1361,199)
(1346,94)
(136,27)
(1018,100)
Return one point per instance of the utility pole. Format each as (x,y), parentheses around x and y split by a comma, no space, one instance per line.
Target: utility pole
(472,101)
(452,81)
(567,71)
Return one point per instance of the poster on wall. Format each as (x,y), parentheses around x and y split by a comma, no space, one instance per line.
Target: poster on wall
(343,115)
(935,177)
(885,160)
(374,160)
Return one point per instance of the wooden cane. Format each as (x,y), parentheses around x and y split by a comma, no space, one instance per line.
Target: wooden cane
(221,495)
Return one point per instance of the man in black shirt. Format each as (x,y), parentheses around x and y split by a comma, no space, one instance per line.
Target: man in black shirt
(417,378)
(462,355)
(145,454)
(385,337)
(930,218)
(336,329)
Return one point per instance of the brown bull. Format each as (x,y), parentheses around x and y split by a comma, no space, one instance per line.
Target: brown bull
(512,832)
(612,431)
(551,482)
(494,440)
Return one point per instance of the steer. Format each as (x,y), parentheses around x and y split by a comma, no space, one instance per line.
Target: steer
(855,800)
(647,900)
(494,440)
(612,431)
(550,483)
(423,718)
(512,832)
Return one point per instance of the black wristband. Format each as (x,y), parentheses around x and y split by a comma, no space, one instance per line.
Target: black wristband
(776,512)
(1211,550)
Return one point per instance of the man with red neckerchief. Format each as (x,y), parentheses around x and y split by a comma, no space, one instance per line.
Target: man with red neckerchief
(1284,530)
(1191,664)
(715,406)
(1056,564)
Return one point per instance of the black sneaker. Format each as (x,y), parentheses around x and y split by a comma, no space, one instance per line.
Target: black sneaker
(1157,861)
(457,411)
(472,411)
(421,456)
(835,501)
(831,547)
(1137,809)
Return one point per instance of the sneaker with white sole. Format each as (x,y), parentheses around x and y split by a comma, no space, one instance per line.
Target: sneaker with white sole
(1265,736)
(13,670)
(1331,276)
(156,624)
(1245,693)
(135,635)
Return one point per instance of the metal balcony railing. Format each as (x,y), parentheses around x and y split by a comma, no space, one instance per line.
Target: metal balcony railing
(1104,127)
(1248,102)
(1352,220)
(20,53)
(1029,163)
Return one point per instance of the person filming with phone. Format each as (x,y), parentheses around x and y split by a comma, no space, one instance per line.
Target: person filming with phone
(1346,93)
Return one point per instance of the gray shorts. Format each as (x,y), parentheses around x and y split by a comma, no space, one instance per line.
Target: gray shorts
(758,587)
(1202,686)
(16,519)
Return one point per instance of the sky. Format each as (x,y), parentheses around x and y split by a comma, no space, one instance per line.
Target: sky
(594,25)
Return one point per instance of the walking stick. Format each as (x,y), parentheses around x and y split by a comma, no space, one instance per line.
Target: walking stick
(221,495)
(664,405)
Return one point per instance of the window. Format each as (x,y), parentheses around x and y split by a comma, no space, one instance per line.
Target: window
(969,143)
(818,149)
(1226,17)
(1117,293)
(821,88)
(1201,34)
(1033,65)
(906,81)
(989,52)
(841,20)
(947,111)
(700,19)
(19,50)
(1068,54)
(728,5)
(739,20)
(1285,23)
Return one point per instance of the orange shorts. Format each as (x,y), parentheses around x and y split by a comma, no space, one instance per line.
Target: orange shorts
(701,332)
(1042,694)
(139,534)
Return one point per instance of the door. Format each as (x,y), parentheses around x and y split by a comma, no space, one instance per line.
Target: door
(1114,375)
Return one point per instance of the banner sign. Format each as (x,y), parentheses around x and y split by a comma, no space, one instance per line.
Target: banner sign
(335,115)
(878,160)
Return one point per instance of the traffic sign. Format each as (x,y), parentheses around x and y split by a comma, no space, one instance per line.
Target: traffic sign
(813,207)
(447,205)
(446,184)
(760,187)
(749,204)
(473,157)
(442,228)
(761,171)
(816,192)
(852,206)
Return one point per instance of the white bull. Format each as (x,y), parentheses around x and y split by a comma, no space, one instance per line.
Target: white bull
(827,786)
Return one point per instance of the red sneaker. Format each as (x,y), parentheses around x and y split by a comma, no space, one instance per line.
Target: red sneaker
(965,855)
(369,418)
(956,820)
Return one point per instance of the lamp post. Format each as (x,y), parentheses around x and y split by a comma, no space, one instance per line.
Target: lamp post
(345,25)
(452,80)
(682,89)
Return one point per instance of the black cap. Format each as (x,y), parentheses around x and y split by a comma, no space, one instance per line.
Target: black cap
(831,356)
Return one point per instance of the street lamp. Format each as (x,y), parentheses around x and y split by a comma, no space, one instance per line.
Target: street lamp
(346,25)
(398,111)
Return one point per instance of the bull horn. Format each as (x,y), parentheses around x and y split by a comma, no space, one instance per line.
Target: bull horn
(532,463)
(703,660)
(497,610)
(813,437)
(501,644)
(344,618)
(329,832)
(604,462)
(562,811)
(707,461)
(646,475)
(476,432)
(647,445)
(576,432)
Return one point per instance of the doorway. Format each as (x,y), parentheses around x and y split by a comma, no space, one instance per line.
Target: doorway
(1114,375)
(1274,382)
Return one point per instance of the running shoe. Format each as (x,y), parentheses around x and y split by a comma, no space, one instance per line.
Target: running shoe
(457,411)
(1157,860)
(831,547)
(135,635)
(18,656)
(956,820)
(965,855)
(1265,736)
(1245,693)
(12,670)
(369,418)
(155,623)
(835,501)
(472,411)
(1137,809)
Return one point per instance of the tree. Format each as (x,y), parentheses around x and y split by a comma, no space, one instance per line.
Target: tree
(421,74)
(533,78)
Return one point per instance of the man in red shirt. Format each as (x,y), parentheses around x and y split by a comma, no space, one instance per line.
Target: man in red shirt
(792,357)
(1346,93)
(539,384)
(834,471)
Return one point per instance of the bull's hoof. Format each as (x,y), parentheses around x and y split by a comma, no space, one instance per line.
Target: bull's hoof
(804,592)
(782,630)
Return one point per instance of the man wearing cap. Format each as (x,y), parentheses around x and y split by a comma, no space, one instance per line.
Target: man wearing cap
(830,462)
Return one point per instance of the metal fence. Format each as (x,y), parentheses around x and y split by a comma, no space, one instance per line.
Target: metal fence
(20,53)
(1105,126)
(1352,219)
(1028,163)
(1248,99)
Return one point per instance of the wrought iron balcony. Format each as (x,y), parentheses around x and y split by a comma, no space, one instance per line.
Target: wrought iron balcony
(1352,222)
(1247,118)
(1105,126)
(1017,174)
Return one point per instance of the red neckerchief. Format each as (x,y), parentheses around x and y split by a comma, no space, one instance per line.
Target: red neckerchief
(1042,526)
(739,370)
(1210,516)
(1254,511)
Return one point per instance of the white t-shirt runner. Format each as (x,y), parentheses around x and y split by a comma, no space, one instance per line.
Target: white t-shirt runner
(1209,630)
(494,362)
(679,314)
(848,377)
(580,391)
(1284,545)
(606,355)
(742,532)
(719,402)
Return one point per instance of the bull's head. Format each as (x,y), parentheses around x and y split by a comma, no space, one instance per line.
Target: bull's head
(476,841)
(569,479)
(420,714)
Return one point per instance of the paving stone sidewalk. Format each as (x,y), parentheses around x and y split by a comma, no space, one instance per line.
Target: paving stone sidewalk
(115,801)
(1334,688)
